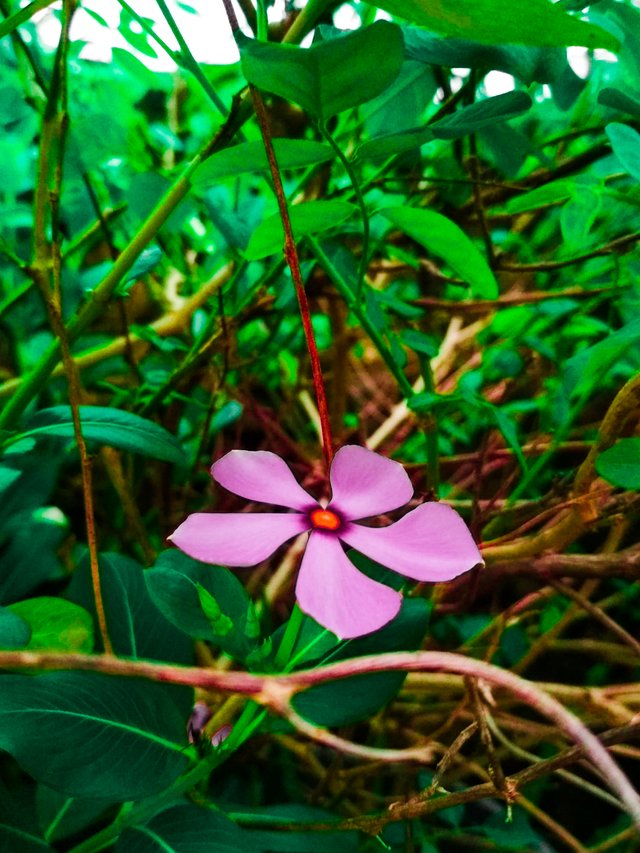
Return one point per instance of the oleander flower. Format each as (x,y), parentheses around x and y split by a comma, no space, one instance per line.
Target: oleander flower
(430,543)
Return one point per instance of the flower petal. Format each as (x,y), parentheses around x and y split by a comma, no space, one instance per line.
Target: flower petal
(430,543)
(337,595)
(363,483)
(236,538)
(260,475)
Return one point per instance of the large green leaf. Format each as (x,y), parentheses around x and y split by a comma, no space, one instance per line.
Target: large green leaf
(136,628)
(445,239)
(187,829)
(251,157)
(205,602)
(537,22)
(343,702)
(330,76)
(620,464)
(106,425)
(93,736)
(56,624)
(307,218)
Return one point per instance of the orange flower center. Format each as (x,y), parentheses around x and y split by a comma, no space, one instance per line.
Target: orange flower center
(324,519)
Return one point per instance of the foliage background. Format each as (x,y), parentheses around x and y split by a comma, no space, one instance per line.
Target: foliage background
(491,347)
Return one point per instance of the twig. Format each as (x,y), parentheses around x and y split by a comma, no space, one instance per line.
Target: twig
(269,689)
(597,614)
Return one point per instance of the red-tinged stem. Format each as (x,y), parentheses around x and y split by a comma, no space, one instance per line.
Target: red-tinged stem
(291,256)
(292,259)
(277,691)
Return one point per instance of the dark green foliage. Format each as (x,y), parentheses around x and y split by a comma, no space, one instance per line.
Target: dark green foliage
(468,245)
(87,735)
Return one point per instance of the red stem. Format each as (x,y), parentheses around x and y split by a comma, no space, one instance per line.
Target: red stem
(293,262)
(291,256)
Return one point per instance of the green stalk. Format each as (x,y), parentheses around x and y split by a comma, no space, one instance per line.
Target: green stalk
(35,382)
(364,213)
(306,20)
(355,305)
(430,429)
(263,22)
(189,60)
(290,636)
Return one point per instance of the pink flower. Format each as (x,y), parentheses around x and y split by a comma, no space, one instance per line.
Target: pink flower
(430,543)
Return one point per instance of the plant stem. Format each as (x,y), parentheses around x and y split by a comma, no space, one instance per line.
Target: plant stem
(348,167)
(271,691)
(288,642)
(188,58)
(100,296)
(309,14)
(349,297)
(291,255)
(46,273)
(429,425)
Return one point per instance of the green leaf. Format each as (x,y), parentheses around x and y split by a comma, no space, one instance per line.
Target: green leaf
(467,120)
(251,157)
(625,142)
(8,477)
(588,367)
(15,632)
(509,432)
(330,76)
(618,100)
(29,557)
(481,114)
(114,427)
(146,261)
(538,22)
(348,700)
(18,829)
(61,816)
(93,736)
(579,214)
(419,342)
(551,193)
(445,239)
(187,829)
(22,16)
(307,218)
(136,627)
(392,144)
(529,64)
(620,464)
(205,602)
(56,624)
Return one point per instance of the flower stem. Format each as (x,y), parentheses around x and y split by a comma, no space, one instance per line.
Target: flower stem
(291,256)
